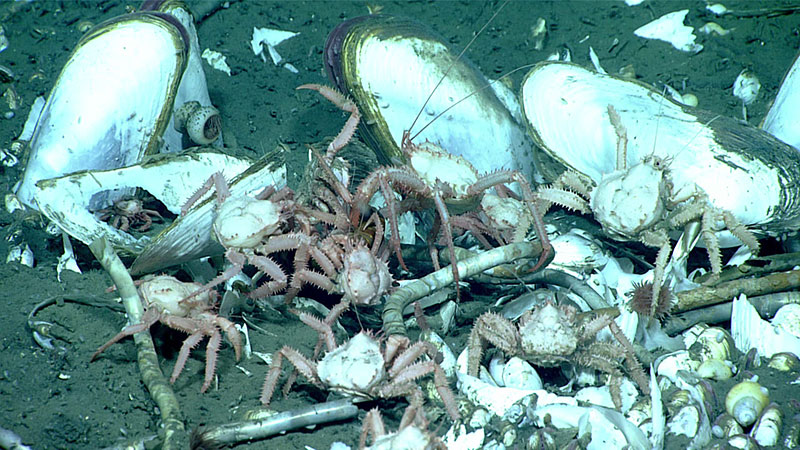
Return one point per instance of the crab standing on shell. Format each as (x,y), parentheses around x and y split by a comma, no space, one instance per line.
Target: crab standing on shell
(551,335)
(640,203)
(166,301)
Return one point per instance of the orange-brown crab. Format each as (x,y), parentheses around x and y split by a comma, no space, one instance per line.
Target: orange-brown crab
(165,300)
(430,178)
(361,369)
(129,213)
(550,335)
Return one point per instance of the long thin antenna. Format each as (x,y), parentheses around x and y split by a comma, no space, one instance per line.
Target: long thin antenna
(449,68)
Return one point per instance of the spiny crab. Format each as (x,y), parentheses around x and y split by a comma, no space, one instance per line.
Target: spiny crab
(640,203)
(128,213)
(360,369)
(165,299)
(550,335)
(430,178)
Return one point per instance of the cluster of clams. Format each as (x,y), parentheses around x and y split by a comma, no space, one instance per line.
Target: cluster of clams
(717,173)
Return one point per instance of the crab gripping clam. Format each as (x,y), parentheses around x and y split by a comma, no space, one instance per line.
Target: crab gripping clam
(741,169)
(481,128)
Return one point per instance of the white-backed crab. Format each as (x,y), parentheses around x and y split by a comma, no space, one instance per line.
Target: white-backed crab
(129,213)
(430,178)
(551,335)
(360,369)
(641,203)
(166,301)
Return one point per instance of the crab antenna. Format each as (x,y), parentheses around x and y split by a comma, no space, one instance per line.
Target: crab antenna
(447,72)
(490,83)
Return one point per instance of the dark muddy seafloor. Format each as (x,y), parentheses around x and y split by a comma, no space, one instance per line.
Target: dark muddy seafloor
(60,400)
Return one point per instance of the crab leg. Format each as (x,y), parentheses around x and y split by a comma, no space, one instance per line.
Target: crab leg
(344,104)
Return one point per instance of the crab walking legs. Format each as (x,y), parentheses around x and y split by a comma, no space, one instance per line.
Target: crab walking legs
(406,294)
(152,376)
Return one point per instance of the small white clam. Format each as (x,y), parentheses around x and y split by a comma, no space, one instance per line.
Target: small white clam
(745,401)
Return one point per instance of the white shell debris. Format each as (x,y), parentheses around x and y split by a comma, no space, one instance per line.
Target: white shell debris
(670,28)
(269,38)
(746,87)
(216,60)
(750,331)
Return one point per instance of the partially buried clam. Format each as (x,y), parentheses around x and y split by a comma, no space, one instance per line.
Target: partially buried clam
(390,65)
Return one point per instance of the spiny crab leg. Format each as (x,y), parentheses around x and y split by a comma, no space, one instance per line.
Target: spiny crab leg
(508,176)
(344,104)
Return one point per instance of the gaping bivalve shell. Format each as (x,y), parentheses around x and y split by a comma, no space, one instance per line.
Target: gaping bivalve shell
(481,128)
(742,169)
(111,102)
(142,67)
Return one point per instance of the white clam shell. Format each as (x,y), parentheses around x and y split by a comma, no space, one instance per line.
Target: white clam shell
(783,117)
(749,330)
(670,364)
(481,128)
(189,236)
(670,28)
(499,400)
(169,178)
(113,114)
(787,318)
(742,169)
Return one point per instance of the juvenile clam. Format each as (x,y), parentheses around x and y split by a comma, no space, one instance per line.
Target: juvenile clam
(480,128)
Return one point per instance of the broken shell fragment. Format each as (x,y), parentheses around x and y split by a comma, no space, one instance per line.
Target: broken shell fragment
(169,178)
(202,124)
(670,28)
(745,401)
(190,236)
(481,127)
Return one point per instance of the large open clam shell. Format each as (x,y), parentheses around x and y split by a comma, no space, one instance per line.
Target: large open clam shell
(169,178)
(390,65)
(783,117)
(743,169)
(112,100)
